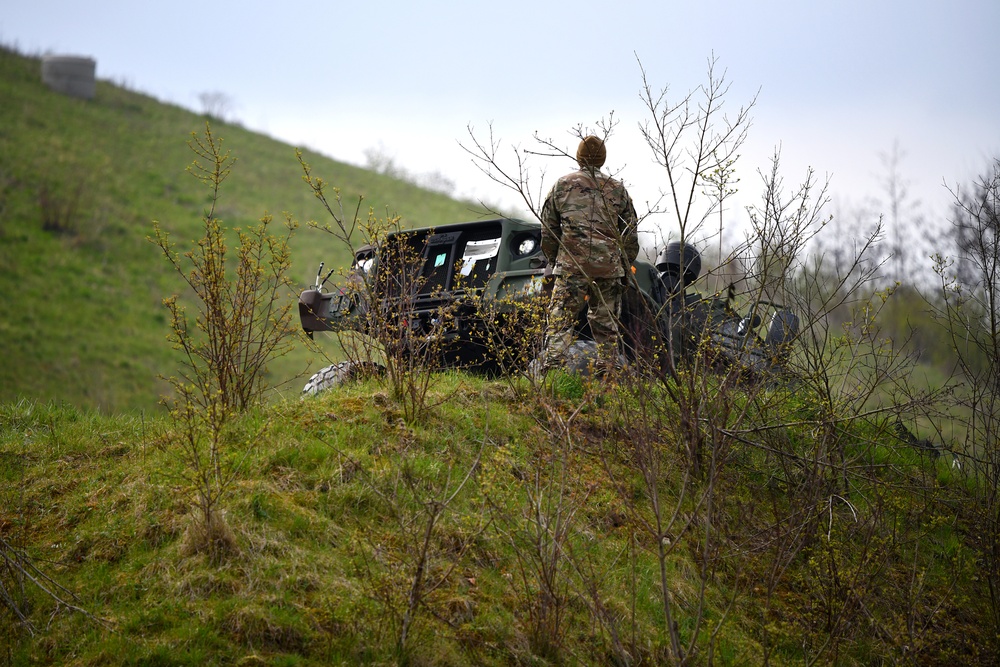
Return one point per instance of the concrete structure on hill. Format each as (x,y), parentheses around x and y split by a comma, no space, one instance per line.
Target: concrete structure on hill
(70,75)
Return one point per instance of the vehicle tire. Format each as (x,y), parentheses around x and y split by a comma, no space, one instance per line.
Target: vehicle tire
(337,374)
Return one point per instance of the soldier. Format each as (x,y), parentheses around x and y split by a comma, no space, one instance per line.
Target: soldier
(590,239)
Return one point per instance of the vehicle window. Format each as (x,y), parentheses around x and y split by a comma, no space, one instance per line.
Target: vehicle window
(479,261)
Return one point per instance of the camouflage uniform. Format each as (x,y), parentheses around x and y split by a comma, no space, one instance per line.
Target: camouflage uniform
(589,238)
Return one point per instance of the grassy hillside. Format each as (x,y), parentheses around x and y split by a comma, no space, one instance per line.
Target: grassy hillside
(80,183)
(700,515)
(506,527)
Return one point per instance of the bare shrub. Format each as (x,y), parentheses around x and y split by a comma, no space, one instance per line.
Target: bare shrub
(216,105)
(211,536)
(60,208)
(386,282)
(969,312)
(243,323)
(537,518)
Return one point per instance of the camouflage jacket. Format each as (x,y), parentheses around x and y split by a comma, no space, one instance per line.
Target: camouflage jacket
(589,225)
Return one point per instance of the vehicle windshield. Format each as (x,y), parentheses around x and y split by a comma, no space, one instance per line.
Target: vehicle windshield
(451,260)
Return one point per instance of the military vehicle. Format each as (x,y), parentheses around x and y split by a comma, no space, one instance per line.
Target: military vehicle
(469,290)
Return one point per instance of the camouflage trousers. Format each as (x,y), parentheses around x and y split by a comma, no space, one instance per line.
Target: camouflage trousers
(570,295)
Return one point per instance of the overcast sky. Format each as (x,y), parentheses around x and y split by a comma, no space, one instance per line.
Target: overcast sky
(840,82)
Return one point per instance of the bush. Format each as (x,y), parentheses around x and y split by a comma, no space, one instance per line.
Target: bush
(243,322)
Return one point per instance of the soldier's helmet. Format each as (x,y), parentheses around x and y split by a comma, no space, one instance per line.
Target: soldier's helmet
(680,262)
(591,152)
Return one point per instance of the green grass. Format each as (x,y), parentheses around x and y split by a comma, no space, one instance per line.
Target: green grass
(83,320)
(329,513)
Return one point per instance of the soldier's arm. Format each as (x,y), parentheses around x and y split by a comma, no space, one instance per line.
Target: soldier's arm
(629,228)
(551,228)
